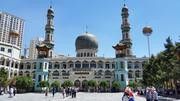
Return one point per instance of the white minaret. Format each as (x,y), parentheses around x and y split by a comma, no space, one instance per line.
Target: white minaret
(125,27)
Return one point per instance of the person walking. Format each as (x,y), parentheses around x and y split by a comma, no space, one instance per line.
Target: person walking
(53,91)
(14,91)
(63,92)
(46,92)
(154,94)
(148,94)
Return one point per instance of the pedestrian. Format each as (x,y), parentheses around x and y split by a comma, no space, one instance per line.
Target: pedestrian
(154,94)
(63,92)
(148,94)
(126,94)
(11,92)
(46,92)
(14,91)
(53,91)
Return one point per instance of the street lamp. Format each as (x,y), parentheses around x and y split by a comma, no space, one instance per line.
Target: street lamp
(147,31)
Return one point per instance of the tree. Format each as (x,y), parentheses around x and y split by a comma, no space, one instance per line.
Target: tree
(43,84)
(163,70)
(67,83)
(55,84)
(24,83)
(116,86)
(3,77)
(104,85)
(92,84)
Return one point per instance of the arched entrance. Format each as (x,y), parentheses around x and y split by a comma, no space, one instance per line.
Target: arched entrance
(77,83)
(85,85)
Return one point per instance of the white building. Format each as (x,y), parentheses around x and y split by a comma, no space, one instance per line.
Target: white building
(32,47)
(11,32)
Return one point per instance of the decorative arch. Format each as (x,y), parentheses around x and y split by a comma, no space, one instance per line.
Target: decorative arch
(85,64)
(55,73)
(92,64)
(100,64)
(107,72)
(77,83)
(77,64)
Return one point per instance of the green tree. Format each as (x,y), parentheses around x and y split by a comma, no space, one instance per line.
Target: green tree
(3,77)
(55,84)
(67,83)
(92,84)
(104,85)
(24,83)
(43,84)
(116,85)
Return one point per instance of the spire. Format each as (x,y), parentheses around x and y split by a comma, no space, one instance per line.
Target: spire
(86,29)
(49,28)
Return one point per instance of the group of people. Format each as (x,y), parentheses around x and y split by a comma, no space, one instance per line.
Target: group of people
(69,92)
(66,92)
(128,95)
(151,94)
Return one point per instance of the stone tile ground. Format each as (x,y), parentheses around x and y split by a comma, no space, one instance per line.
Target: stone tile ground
(80,97)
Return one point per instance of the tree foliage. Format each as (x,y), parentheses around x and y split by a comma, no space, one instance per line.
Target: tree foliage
(116,85)
(23,82)
(3,77)
(163,70)
(55,84)
(43,83)
(67,83)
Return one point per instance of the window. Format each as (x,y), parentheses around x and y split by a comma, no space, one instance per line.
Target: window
(9,50)
(122,77)
(2,49)
(122,65)
(40,66)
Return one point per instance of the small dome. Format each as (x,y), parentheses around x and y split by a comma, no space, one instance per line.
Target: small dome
(50,10)
(125,8)
(86,41)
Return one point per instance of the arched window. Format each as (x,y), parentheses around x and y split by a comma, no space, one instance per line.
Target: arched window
(130,74)
(77,64)
(64,65)
(70,64)
(129,65)
(138,74)
(56,65)
(55,73)
(28,65)
(92,64)
(108,73)
(136,65)
(107,65)
(100,64)
(100,72)
(50,65)
(85,64)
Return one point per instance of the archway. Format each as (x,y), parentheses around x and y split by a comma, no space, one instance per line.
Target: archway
(77,83)
(85,85)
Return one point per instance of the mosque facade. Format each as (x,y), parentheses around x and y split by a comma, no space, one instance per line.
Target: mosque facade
(87,65)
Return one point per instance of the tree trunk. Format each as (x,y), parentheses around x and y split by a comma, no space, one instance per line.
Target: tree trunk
(175,87)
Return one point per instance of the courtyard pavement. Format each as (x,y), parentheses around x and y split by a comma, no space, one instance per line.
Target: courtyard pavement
(80,97)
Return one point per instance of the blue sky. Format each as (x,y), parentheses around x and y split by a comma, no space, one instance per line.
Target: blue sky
(103,18)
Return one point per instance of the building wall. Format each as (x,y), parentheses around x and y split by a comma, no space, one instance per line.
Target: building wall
(32,47)
(11,32)
(9,23)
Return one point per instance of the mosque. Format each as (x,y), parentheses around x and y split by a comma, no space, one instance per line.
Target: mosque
(124,67)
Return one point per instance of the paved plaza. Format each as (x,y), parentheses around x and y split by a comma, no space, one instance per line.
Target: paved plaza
(80,97)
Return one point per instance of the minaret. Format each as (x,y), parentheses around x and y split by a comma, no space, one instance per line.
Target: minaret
(49,28)
(124,47)
(125,27)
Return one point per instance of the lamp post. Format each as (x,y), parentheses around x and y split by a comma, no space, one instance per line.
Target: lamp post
(147,31)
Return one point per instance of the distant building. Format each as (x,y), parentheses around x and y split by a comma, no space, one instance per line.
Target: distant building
(32,47)
(11,32)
